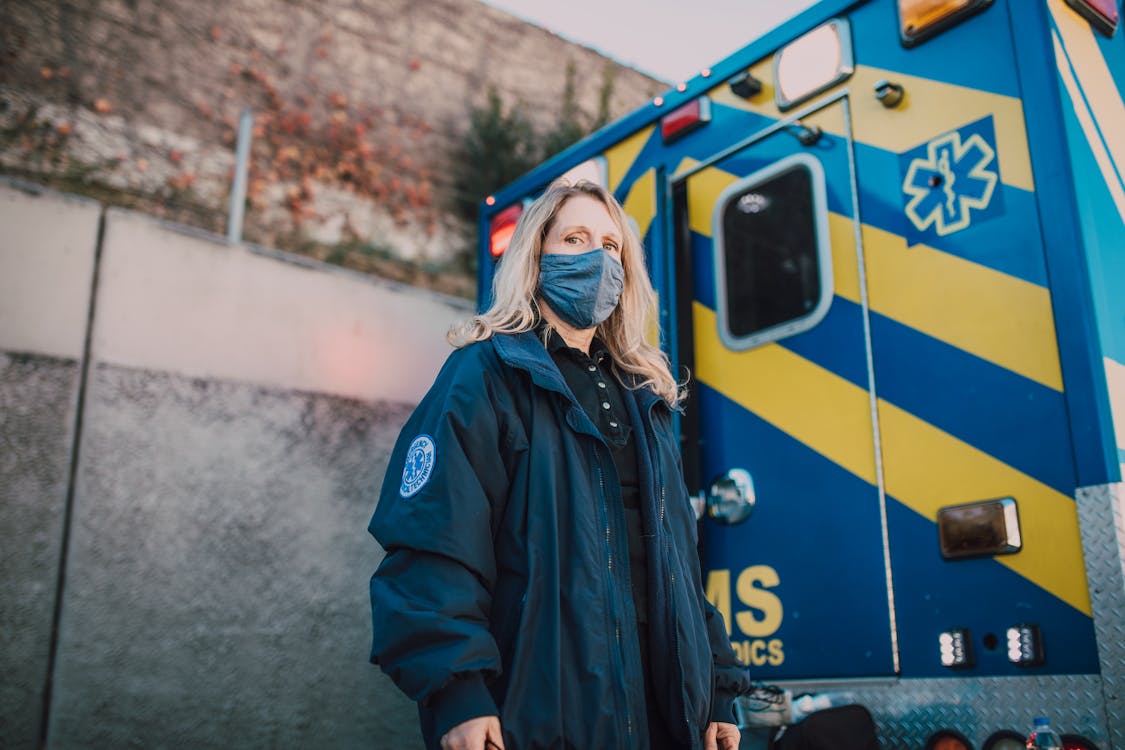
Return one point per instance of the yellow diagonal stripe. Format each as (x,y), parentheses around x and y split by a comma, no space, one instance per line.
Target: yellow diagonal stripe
(929,109)
(997,317)
(925,468)
(640,205)
(622,155)
(762,103)
(815,406)
(641,202)
(932,108)
(703,191)
(994,316)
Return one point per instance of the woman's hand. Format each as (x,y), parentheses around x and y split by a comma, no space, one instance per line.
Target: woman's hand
(721,736)
(483,733)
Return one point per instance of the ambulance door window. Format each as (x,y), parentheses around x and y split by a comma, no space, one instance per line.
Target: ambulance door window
(773,260)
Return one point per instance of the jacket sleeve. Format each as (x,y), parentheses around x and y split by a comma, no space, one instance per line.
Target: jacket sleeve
(431,596)
(731,678)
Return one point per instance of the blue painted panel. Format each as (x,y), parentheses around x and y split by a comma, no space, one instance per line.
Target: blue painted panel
(818,527)
(703,270)
(1011,247)
(1104,233)
(932,595)
(1057,212)
(950,183)
(943,58)
(1018,421)
(836,343)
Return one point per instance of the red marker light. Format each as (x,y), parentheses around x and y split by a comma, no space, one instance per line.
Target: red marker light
(501,228)
(684,119)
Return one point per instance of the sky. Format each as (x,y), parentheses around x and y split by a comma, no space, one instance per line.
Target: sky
(669,39)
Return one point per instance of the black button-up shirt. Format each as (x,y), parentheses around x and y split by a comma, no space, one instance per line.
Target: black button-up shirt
(601,396)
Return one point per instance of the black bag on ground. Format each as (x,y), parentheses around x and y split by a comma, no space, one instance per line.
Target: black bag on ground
(837,728)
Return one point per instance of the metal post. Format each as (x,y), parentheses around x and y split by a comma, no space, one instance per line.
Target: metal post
(238,187)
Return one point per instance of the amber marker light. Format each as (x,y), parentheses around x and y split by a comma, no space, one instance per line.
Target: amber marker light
(921,19)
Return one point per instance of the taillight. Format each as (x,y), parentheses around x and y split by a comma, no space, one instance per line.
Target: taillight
(501,228)
(686,118)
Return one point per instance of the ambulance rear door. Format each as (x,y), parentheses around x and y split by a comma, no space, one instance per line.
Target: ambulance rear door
(772,325)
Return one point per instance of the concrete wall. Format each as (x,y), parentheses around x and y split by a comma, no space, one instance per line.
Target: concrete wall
(46,268)
(237,411)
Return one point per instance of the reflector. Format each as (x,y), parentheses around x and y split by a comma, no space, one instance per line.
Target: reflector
(921,19)
(686,118)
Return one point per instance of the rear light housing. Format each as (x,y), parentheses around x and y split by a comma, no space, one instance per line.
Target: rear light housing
(685,118)
(501,227)
(921,19)
(1102,14)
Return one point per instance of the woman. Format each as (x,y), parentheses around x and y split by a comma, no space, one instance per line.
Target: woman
(541,587)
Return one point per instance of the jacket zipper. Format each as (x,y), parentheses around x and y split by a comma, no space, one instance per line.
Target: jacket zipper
(671,572)
(613,606)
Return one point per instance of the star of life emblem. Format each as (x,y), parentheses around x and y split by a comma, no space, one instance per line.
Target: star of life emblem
(419,465)
(954,177)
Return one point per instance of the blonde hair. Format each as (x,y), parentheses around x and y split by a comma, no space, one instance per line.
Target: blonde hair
(514,287)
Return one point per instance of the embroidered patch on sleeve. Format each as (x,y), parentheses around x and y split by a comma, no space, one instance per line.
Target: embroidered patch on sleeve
(420,459)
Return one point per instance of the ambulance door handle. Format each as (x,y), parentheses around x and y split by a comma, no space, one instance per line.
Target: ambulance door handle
(806,134)
(731,498)
(889,93)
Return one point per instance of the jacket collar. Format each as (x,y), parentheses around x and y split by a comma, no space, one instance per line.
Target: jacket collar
(526,351)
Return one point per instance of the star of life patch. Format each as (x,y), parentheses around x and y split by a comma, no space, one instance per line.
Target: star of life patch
(419,466)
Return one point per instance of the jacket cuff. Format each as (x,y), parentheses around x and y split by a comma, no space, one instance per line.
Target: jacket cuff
(722,707)
(464,697)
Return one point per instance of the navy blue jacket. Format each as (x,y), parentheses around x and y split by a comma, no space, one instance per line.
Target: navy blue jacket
(505,589)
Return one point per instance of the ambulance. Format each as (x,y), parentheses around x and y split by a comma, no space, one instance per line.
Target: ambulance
(889,243)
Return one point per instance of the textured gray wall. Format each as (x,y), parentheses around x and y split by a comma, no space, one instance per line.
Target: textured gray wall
(216,585)
(37,400)
(237,416)
(47,248)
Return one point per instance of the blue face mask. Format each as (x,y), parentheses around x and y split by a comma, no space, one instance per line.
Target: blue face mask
(582,289)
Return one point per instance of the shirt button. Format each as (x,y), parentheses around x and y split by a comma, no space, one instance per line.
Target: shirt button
(605,404)
(613,424)
(592,368)
(601,384)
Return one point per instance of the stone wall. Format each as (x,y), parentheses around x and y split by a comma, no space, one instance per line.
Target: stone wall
(360,107)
